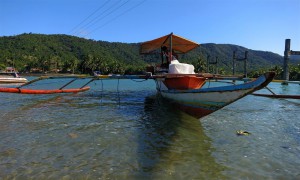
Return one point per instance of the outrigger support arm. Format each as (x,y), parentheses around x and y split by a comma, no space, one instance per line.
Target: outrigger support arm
(69,83)
(20,89)
(87,83)
(30,82)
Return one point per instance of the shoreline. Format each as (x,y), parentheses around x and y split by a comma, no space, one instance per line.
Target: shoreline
(51,74)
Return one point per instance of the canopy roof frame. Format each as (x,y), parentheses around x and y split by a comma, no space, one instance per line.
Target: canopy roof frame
(171,41)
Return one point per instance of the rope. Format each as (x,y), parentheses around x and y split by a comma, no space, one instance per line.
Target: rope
(208,84)
(118,92)
(101,90)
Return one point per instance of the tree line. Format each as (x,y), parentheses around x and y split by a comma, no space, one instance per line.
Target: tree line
(71,54)
(62,53)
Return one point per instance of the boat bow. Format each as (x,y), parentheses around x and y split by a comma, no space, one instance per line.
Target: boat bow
(203,101)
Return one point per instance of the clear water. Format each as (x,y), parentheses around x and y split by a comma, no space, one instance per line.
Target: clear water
(123,130)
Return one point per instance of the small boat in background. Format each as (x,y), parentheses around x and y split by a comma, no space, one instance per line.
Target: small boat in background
(97,73)
(11,77)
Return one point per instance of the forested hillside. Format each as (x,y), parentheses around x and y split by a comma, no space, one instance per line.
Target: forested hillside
(64,53)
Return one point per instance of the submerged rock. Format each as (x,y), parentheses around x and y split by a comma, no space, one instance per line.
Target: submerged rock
(242,133)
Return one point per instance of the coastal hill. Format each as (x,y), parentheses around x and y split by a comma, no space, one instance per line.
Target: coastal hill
(64,53)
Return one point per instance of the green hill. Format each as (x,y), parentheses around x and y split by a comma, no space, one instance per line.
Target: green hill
(64,53)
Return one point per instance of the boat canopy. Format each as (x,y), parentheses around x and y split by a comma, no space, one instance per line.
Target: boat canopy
(171,41)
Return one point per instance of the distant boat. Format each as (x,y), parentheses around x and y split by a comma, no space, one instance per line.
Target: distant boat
(11,77)
(96,73)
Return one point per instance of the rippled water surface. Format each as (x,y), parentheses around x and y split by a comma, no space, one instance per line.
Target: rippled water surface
(123,130)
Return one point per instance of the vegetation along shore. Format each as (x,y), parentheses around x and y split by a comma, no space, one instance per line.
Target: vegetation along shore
(39,53)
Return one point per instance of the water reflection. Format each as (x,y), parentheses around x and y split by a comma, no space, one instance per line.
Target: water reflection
(83,136)
(172,145)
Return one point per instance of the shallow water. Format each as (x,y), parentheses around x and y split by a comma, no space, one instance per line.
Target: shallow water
(123,130)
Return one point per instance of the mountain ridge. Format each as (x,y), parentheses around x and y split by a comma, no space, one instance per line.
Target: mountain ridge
(65,52)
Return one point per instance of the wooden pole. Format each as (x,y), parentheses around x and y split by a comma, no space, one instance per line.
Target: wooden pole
(286,60)
(233,63)
(245,63)
(217,65)
(207,63)
(171,47)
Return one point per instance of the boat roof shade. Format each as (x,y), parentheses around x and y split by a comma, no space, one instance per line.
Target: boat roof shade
(179,44)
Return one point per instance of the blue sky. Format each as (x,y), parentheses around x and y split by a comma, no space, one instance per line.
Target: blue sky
(255,24)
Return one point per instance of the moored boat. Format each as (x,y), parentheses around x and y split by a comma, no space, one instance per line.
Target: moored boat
(203,101)
(11,77)
(182,86)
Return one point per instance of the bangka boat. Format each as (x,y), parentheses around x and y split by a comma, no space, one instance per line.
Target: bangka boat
(200,102)
(11,77)
(181,85)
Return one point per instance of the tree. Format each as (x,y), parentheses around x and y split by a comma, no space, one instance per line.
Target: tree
(200,65)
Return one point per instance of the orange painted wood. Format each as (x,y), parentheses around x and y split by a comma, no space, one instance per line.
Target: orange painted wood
(184,82)
(42,91)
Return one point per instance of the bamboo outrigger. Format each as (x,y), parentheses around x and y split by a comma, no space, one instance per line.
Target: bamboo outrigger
(274,95)
(20,89)
(282,96)
(42,91)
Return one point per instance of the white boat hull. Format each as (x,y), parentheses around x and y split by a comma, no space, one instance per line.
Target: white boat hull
(203,101)
(13,80)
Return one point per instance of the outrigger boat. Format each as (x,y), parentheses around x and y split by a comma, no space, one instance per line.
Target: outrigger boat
(174,81)
(200,102)
(182,86)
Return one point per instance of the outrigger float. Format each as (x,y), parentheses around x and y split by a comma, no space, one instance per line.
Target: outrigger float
(175,81)
(274,95)
(20,89)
